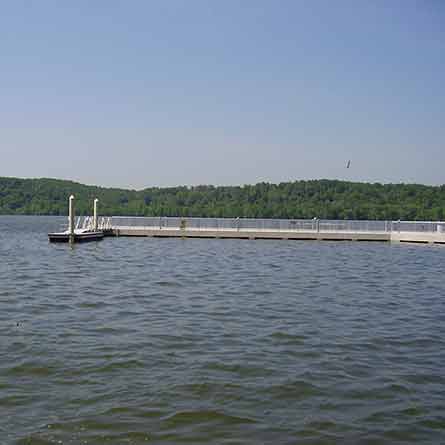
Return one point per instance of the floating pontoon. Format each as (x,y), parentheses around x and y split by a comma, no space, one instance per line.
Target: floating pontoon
(89,231)
(79,235)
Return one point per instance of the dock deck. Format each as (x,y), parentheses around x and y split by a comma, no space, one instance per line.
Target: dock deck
(389,231)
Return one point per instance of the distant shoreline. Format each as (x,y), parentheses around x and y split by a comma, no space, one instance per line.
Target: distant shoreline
(325,199)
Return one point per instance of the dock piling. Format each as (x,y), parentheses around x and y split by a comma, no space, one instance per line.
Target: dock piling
(71,219)
(95,215)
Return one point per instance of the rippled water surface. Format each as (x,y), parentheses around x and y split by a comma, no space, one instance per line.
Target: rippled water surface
(135,341)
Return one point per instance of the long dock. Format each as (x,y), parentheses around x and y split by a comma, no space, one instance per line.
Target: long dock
(432,232)
(329,230)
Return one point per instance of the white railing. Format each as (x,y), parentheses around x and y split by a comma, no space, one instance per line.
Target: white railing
(87,222)
(246,224)
(419,226)
(104,223)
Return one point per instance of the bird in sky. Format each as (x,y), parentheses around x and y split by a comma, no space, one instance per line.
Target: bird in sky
(348,164)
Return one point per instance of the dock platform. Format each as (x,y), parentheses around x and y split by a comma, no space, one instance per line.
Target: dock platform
(322,230)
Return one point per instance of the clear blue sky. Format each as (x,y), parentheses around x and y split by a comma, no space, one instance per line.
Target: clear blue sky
(143,93)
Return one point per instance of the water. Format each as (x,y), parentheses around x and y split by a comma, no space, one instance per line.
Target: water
(170,341)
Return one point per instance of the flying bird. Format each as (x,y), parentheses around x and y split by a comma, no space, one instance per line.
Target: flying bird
(348,164)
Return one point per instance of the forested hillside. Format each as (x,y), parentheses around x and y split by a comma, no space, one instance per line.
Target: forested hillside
(299,199)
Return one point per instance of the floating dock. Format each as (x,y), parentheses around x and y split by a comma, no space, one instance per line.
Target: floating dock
(326,230)
(91,228)
(87,228)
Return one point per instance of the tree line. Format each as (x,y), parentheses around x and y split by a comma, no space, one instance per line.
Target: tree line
(326,199)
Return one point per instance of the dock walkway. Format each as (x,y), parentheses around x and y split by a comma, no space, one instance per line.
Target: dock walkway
(243,228)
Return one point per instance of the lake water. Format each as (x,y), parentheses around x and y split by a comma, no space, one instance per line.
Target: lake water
(170,341)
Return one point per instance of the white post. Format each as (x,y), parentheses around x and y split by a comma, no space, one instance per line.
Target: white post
(71,219)
(95,215)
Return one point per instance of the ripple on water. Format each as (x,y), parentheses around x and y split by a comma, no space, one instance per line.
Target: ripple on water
(295,390)
(116,366)
(31,369)
(239,369)
(182,418)
(382,392)
(220,393)
(287,338)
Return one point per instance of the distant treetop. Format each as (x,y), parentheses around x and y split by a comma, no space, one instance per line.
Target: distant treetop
(328,199)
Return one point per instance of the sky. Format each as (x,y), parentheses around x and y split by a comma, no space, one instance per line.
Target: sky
(185,92)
